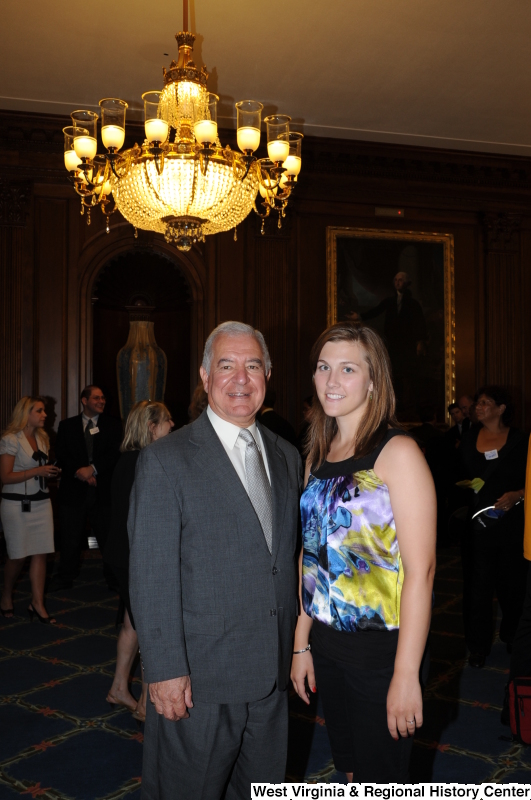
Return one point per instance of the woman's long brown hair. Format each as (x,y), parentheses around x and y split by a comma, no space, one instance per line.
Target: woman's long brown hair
(380,414)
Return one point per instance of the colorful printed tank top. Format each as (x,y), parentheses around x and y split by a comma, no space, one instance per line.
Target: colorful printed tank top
(352,572)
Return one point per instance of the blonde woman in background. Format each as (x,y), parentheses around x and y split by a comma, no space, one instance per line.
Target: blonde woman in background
(26,510)
(147,422)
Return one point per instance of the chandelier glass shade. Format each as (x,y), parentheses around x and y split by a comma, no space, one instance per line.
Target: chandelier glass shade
(181,182)
(157,195)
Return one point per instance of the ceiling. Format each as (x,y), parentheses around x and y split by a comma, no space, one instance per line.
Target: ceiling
(443,73)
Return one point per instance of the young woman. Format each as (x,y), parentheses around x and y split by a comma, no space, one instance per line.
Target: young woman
(26,510)
(368,560)
(147,422)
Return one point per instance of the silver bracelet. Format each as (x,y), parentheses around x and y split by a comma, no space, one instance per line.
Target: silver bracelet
(296,652)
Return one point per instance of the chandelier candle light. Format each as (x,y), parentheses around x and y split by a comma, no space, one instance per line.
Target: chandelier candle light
(181,181)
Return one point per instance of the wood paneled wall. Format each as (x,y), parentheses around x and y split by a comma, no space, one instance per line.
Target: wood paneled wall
(50,259)
(11,302)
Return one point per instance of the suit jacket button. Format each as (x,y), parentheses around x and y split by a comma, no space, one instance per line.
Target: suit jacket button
(274,570)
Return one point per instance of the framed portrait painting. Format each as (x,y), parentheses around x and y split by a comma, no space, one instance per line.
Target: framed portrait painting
(401,284)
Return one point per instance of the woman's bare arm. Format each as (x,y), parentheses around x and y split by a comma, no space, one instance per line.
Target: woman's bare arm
(302,663)
(403,468)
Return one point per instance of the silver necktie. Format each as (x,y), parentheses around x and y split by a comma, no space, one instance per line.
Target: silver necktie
(258,486)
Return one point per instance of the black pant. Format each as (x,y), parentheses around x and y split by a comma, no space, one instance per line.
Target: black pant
(492,564)
(73,535)
(355,710)
(521,655)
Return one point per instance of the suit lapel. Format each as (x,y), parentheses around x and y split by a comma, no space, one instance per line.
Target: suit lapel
(79,428)
(80,434)
(279,475)
(213,459)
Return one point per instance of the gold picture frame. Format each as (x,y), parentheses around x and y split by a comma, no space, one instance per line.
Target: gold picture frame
(447,242)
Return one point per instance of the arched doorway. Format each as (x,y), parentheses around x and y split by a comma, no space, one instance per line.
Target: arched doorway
(155,279)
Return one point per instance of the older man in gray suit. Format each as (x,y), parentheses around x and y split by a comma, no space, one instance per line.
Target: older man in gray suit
(213,530)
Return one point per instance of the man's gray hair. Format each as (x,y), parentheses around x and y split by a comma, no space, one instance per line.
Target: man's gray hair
(232,328)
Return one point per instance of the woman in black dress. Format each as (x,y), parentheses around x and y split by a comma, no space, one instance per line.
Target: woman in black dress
(147,422)
(493,562)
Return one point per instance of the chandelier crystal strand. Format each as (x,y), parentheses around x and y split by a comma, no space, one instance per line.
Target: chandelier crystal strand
(182,185)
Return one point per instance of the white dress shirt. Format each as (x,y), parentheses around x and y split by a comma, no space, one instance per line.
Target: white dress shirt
(85,421)
(234,446)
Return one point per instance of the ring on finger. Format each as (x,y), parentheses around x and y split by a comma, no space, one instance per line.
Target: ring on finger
(410,721)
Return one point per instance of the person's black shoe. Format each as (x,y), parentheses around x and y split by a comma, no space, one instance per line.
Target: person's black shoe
(45,620)
(476,660)
(59,585)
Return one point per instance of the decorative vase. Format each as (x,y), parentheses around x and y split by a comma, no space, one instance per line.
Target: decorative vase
(141,364)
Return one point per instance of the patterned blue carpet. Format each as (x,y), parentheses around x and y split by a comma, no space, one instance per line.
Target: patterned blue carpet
(60,739)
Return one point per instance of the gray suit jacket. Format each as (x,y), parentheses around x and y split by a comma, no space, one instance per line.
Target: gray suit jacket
(208,598)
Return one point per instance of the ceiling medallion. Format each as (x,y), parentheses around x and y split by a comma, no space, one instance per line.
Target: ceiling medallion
(181,181)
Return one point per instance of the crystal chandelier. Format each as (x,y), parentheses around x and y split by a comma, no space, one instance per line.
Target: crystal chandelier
(181,181)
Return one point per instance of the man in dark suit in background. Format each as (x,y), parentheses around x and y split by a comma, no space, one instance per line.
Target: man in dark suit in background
(213,522)
(273,421)
(466,405)
(427,435)
(454,468)
(87,449)
(404,325)
(459,428)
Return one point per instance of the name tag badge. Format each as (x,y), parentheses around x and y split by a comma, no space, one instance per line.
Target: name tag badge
(490,455)
(97,430)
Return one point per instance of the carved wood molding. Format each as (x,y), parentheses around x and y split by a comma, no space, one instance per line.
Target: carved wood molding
(14,202)
(502,232)
(435,170)
(143,273)
(143,240)
(37,133)
(11,271)
(41,133)
(103,248)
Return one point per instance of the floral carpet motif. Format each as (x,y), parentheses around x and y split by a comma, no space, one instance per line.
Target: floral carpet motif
(59,739)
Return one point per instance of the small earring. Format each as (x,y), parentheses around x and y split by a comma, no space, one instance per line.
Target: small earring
(370,396)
